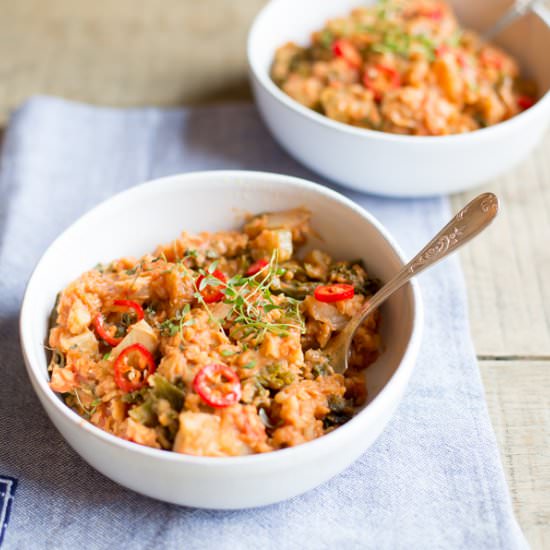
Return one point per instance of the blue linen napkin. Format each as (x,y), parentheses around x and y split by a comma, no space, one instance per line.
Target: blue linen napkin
(432,480)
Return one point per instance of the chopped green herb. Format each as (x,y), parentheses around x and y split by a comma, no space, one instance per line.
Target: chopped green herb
(327,38)
(275,376)
(455,38)
(172,326)
(212,267)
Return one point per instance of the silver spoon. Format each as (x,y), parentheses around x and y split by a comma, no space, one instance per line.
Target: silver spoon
(518,8)
(468,223)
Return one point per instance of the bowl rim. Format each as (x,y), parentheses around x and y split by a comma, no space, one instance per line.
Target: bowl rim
(291,104)
(403,370)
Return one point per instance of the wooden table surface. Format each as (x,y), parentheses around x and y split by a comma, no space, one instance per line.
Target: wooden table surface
(141,52)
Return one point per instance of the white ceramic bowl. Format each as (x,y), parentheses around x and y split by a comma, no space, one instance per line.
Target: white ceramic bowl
(389,164)
(215,201)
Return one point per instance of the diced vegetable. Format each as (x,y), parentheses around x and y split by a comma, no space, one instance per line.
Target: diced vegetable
(144,414)
(325,313)
(52,321)
(271,240)
(163,389)
(340,412)
(354,274)
(140,333)
(294,289)
(296,220)
(316,265)
(85,343)
(275,377)
(151,401)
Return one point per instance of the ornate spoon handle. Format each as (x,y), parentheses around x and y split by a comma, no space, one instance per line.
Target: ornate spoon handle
(468,223)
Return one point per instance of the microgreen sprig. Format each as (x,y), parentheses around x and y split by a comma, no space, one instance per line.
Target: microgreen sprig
(172,326)
(250,299)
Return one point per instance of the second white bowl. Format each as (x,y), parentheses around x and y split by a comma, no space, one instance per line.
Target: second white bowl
(389,164)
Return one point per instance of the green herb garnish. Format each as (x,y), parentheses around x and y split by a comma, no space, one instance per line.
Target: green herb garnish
(172,326)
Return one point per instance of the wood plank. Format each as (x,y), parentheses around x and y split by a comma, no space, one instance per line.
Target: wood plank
(518,396)
(507,269)
(124,53)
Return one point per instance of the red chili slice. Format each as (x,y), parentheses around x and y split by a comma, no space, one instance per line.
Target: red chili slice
(210,293)
(256,267)
(334,293)
(346,50)
(107,334)
(218,385)
(132,367)
(525,101)
(381,78)
(99,325)
(130,304)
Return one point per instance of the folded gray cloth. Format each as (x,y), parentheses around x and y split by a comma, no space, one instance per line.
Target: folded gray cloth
(432,480)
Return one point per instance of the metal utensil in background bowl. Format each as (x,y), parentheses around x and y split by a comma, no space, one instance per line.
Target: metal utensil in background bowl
(209,201)
(390,164)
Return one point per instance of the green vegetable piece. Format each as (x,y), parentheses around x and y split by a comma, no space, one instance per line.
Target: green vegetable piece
(295,289)
(144,414)
(52,321)
(340,412)
(327,38)
(163,389)
(275,377)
